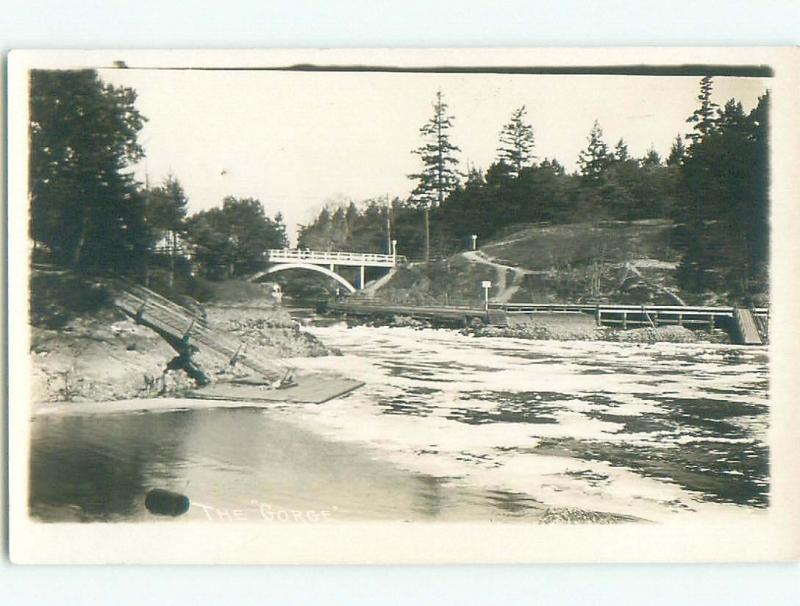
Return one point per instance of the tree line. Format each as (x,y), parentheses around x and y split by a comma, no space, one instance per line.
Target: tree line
(713,186)
(88,212)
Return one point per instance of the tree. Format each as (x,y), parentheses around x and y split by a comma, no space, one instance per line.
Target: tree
(704,117)
(651,158)
(621,151)
(85,209)
(677,152)
(722,219)
(232,240)
(594,160)
(439,175)
(516,142)
(165,212)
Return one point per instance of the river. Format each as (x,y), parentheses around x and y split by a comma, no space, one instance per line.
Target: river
(447,427)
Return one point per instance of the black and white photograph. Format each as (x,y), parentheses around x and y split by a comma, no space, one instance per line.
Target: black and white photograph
(414,292)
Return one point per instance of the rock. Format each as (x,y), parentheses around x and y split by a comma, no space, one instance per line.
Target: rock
(166,502)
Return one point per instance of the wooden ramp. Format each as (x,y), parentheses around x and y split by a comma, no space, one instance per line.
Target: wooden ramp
(309,389)
(746,327)
(175,322)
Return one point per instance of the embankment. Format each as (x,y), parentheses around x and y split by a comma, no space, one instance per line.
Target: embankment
(559,328)
(94,353)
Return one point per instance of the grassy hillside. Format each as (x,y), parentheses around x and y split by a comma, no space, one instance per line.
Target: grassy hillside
(543,248)
(623,262)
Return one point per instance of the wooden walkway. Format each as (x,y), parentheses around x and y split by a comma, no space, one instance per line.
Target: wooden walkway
(746,325)
(175,323)
(753,331)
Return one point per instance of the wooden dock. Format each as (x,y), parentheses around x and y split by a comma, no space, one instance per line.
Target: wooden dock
(753,331)
(309,389)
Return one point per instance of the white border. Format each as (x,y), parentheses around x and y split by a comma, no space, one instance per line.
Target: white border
(771,536)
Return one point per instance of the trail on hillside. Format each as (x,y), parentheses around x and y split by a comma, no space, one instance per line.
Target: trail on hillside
(504,290)
(635,271)
(372,287)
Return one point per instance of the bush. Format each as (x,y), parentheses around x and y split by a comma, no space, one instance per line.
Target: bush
(56,297)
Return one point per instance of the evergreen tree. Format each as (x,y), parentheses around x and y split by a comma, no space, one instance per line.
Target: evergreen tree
(594,160)
(439,175)
(621,151)
(704,117)
(651,158)
(516,142)
(677,152)
(85,209)
(722,220)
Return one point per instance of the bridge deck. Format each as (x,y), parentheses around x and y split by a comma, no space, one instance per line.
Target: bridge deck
(319,257)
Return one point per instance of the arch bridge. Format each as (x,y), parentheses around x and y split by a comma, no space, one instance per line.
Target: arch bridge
(325,262)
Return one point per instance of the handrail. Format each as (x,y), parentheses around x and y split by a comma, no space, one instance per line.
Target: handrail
(295,254)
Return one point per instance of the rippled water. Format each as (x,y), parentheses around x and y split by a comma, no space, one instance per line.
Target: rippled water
(446,427)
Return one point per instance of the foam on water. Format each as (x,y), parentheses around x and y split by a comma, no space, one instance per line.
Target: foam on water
(495,413)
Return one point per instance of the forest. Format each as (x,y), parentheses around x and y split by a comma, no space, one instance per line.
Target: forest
(713,186)
(90,214)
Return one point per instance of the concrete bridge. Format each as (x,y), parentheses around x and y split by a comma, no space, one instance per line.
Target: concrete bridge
(326,262)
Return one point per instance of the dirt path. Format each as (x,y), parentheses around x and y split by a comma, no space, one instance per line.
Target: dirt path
(635,271)
(372,287)
(504,290)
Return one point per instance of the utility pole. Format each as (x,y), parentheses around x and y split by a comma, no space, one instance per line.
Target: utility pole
(146,200)
(388,225)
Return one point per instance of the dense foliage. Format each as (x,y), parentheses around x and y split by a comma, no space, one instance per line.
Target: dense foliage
(713,185)
(722,220)
(89,213)
(231,241)
(85,207)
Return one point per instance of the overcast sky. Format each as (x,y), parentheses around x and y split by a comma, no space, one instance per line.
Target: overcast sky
(296,140)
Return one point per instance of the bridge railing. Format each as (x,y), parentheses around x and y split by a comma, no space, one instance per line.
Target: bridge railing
(331,257)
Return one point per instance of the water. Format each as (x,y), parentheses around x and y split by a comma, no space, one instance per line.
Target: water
(447,427)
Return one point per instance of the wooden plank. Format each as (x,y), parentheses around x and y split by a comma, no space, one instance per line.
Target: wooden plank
(309,389)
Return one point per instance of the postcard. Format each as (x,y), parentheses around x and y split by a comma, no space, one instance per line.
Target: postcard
(403,306)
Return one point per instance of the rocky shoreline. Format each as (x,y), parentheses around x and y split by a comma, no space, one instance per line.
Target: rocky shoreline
(557,329)
(107,356)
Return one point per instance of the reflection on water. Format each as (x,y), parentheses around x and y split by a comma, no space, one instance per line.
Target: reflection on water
(99,468)
(447,427)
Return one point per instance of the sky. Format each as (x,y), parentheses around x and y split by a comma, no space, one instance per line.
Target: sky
(296,140)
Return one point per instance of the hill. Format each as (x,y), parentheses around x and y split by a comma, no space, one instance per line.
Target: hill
(623,262)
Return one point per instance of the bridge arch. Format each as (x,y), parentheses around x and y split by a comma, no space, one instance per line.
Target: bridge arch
(318,268)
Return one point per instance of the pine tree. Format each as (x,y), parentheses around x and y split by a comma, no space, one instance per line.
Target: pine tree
(677,152)
(516,142)
(439,175)
(594,160)
(621,151)
(704,117)
(651,158)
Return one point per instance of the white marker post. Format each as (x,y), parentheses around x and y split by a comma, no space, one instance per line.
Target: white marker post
(474,242)
(486,285)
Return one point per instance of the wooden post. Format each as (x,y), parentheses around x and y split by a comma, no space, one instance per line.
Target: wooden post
(710,322)
(598,315)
